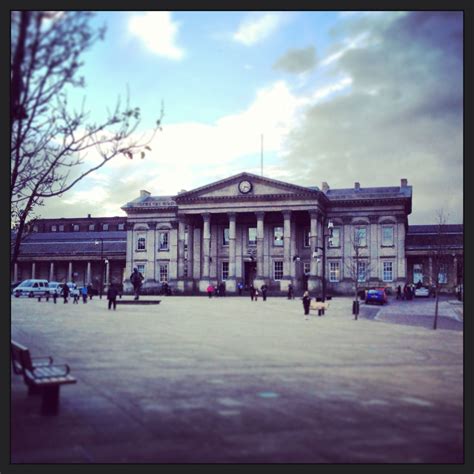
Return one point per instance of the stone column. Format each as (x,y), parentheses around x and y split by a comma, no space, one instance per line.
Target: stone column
(286,280)
(432,279)
(402,262)
(206,240)
(190,255)
(260,235)
(313,243)
(15,273)
(197,254)
(373,242)
(33,270)
(455,265)
(231,281)
(69,272)
(88,273)
(181,232)
(51,271)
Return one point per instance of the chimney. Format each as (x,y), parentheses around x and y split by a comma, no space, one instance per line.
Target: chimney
(325,187)
(404,182)
(88,216)
(357,186)
(144,193)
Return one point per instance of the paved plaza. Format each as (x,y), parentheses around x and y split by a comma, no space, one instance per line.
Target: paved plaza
(229,380)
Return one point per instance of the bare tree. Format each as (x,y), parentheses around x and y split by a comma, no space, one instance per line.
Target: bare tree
(438,254)
(48,139)
(357,265)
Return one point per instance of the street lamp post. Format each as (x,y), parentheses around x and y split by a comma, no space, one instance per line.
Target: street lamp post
(330,226)
(101,264)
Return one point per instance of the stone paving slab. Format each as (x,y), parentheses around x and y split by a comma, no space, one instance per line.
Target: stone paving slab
(230,380)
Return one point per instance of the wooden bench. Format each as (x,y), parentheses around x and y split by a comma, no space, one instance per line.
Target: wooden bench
(41,376)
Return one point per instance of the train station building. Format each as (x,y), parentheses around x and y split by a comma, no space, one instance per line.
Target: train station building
(250,229)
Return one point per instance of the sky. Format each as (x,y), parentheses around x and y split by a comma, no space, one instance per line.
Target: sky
(339,97)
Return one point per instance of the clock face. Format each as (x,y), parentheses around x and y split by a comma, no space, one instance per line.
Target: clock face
(245,186)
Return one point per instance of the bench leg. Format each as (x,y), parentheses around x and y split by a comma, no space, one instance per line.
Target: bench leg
(50,402)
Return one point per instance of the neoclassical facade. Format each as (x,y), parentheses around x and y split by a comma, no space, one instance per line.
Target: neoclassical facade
(259,230)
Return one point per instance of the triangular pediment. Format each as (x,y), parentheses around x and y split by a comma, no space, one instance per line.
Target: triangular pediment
(245,185)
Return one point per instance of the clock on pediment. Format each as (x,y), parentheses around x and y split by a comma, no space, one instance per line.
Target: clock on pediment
(245,186)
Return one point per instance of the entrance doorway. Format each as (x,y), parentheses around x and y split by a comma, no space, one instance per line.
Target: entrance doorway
(250,272)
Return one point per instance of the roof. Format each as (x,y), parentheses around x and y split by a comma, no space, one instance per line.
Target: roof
(151,201)
(433,229)
(75,244)
(370,193)
(425,236)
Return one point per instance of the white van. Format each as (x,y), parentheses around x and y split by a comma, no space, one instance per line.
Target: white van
(31,288)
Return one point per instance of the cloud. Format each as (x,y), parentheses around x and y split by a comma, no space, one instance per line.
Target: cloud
(401,117)
(159,33)
(297,60)
(255,29)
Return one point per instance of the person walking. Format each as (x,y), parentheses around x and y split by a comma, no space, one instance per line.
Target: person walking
(112,293)
(75,295)
(306,303)
(240,286)
(84,294)
(90,291)
(136,279)
(399,292)
(65,292)
(252,292)
(290,292)
(210,290)
(264,289)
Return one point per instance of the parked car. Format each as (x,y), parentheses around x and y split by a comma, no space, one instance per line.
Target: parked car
(31,288)
(54,287)
(423,291)
(376,295)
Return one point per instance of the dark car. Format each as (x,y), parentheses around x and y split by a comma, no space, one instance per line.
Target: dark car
(376,295)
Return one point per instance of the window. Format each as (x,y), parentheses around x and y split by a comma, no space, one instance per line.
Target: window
(163,272)
(225,270)
(35,228)
(417,273)
(278,236)
(121,226)
(334,271)
(105,226)
(277,270)
(91,226)
(141,268)
(387,271)
(443,273)
(225,236)
(75,227)
(306,237)
(306,268)
(185,274)
(163,241)
(360,236)
(387,235)
(361,271)
(61,228)
(252,234)
(335,239)
(54,228)
(141,242)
